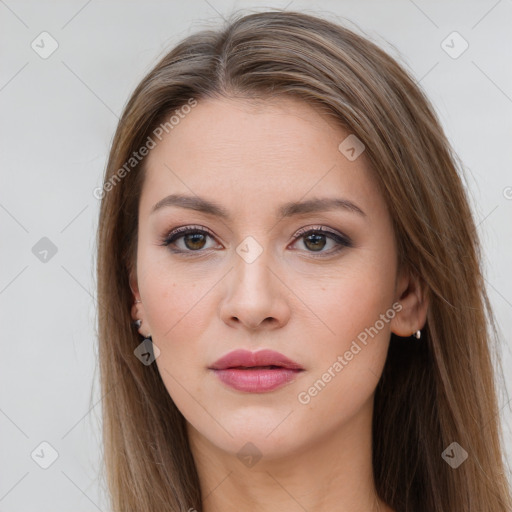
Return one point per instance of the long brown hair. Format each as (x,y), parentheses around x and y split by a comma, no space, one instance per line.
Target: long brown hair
(432,393)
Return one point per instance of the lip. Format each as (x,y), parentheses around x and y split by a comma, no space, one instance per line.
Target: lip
(247,359)
(244,370)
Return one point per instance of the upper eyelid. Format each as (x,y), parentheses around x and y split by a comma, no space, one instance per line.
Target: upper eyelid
(299,232)
(320,228)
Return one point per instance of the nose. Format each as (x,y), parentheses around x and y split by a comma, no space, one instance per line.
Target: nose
(255,296)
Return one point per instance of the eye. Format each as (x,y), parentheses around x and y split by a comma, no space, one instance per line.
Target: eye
(193,237)
(316,238)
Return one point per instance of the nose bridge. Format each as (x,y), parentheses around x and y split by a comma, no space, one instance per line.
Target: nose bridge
(252,268)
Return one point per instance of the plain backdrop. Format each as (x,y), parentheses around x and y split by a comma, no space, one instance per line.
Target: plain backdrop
(58,114)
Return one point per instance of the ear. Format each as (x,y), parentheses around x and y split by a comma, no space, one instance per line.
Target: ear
(137,312)
(411,294)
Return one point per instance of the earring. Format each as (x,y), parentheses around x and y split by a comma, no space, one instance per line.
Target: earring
(138,323)
(417,334)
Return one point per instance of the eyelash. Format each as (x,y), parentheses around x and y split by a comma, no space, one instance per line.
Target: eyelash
(342,240)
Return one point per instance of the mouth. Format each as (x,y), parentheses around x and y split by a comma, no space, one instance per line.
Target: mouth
(256,372)
(256,379)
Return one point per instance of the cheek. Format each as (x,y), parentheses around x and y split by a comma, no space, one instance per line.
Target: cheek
(179,309)
(353,301)
(177,312)
(175,296)
(357,310)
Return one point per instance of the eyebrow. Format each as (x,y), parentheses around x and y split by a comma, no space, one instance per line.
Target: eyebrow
(292,208)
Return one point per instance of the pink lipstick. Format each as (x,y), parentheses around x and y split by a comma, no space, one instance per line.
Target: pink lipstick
(255,372)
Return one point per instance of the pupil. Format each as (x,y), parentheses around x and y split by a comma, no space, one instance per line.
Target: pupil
(195,238)
(317,238)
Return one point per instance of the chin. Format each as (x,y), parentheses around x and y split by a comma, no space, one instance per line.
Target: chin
(258,434)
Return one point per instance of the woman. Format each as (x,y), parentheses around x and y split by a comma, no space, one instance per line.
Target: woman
(293,315)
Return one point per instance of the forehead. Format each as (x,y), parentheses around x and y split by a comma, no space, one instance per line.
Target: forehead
(253,154)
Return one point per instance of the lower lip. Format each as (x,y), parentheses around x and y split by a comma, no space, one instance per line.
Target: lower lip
(256,381)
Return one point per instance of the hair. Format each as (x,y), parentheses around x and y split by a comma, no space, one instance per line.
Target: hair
(432,393)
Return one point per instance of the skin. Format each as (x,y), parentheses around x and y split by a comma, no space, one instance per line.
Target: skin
(250,157)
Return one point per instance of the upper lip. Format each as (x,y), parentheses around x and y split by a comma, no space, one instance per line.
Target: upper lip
(247,359)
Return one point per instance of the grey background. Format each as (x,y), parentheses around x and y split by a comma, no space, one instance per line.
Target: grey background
(58,116)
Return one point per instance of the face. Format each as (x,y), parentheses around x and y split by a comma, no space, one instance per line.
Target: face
(318,285)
